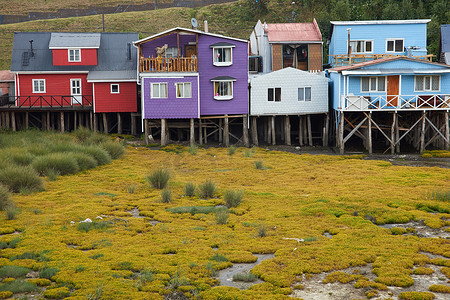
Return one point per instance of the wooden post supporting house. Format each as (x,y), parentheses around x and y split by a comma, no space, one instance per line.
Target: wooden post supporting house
(119,123)
(369,133)
(146,133)
(163,132)
(287,130)
(61,121)
(95,123)
(133,124)
(254,131)
(26,121)
(200,132)
(422,132)
(340,136)
(310,142)
(327,128)
(226,134)
(105,123)
(7,120)
(191,132)
(300,130)
(447,131)
(397,133)
(272,129)
(245,131)
(393,134)
(13,121)
(220,131)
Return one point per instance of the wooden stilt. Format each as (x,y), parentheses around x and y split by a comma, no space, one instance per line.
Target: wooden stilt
(75,120)
(43,121)
(287,130)
(146,133)
(220,131)
(105,123)
(393,134)
(163,132)
(267,130)
(447,130)
(81,120)
(369,133)
(95,122)
(254,130)
(226,132)
(200,132)
(341,133)
(26,121)
(327,128)
(272,130)
(13,121)
(61,121)
(422,132)
(191,132)
(245,131)
(310,141)
(205,132)
(397,134)
(8,121)
(119,123)
(133,125)
(300,130)
(47,120)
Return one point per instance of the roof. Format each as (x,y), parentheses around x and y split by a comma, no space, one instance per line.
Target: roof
(372,22)
(126,75)
(289,72)
(445,38)
(66,40)
(6,76)
(223,78)
(186,30)
(112,53)
(293,32)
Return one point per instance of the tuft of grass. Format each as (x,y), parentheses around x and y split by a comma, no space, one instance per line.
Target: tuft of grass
(222,216)
(48,272)
(131,189)
(63,163)
(231,150)
(5,200)
(159,178)
(11,244)
(88,226)
(219,258)
(114,149)
(19,177)
(439,288)
(233,198)
(189,189)
(18,286)
(261,230)
(193,150)
(52,175)
(192,209)
(85,161)
(207,189)
(13,271)
(247,153)
(440,196)
(245,277)
(11,212)
(310,239)
(423,271)
(259,165)
(166,195)
(99,154)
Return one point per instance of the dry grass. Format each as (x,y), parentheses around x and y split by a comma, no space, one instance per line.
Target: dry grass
(300,196)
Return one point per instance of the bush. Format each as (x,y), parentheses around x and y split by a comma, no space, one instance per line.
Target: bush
(233,198)
(246,277)
(166,196)
(4,197)
(189,189)
(159,178)
(17,156)
(192,209)
(52,175)
(19,177)
(11,212)
(99,154)
(18,286)
(207,189)
(114,149)
(88,226)
(193,150)
(222,216)
(13,271)
(57,293)
(439,288)
(231,150)
(63,163)
(423,271)
(85,161)
(416,296)
(131,189)
(261,230)
(48,272)
(259,165)
(219,258)
(82,134)
(11,244)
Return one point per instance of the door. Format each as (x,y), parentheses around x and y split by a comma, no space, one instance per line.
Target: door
(190,50)
(75,91)
(393,90)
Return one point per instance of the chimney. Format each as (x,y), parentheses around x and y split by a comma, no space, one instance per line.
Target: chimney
(205,26)
(31,48)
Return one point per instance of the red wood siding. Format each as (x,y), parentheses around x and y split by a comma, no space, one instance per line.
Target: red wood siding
(124,101)
(56,85)
(61,58)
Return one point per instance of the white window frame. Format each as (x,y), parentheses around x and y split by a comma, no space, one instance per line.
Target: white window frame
(304,93)
(431,83)
(394,40)
(226,97)
(376,88)
(274,94)
(184,84)
(118,88)
(158,84)
(225,63)
(41,82)
(75,50)
(171,52)
(364,43)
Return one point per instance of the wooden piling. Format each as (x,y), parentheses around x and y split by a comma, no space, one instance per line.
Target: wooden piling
(254,130)
(27,119)
(105,123)
(272,129)
(191,132)
(245,131)
(200,132)
(133,124)
(287,130)
(422,132)
(13,121)
(61,121)
(447,131)
(340,136)
(369,133)
(226,131)
(119,123)
(397,134)
(146,133)
(327,128)
(393,134)
(310,141)
(163,132)
(300,130)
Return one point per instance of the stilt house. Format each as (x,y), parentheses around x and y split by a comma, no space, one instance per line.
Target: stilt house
(444,46)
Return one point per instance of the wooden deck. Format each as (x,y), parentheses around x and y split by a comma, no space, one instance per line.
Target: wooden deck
(47,103)
(170,64)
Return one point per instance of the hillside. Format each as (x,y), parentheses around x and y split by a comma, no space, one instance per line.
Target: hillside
(238,18)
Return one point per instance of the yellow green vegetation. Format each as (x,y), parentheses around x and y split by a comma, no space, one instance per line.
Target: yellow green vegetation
(179,245)
(439,288)
(416,296)
(436,153)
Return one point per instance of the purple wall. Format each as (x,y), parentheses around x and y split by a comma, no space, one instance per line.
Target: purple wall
(207,71)
(170,107)
(148,48)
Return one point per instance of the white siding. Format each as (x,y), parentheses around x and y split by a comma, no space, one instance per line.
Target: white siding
(259,45)
(289,80)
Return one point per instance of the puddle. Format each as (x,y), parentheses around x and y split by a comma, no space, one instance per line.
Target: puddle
(72,246)
(154,222)
(226,276)
(328,235)
(12,233)
(422,230)
(135,213)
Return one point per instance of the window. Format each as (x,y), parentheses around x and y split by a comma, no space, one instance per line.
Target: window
(183,89)
(222,56)
(274,94)
(38,85)
(171,52)
(394,45)
(373,84)
(427,83)
(114,89)
(255,64)
(159,90)
(74,55)
(304,94)
(223,90)
(361,46)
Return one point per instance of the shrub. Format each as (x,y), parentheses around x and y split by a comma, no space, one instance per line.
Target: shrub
(18,286)
(11,212)
(85,161)
(63,163)
(416,296)
(5,294)
(192,209)
(207,189)
(99,154)
(259,165)
(261,230)
(423,271)
(48,272)
(88,226)
(398,230)
(166,195)
(440,195)
(114,149)
(231,150)
(246,277)
(219,258)
(193,150)
(439,288)
(57,293)
(159,178)
(17,156)
(222,216)
(18,177)
(82,134)
(131,189)
(233,198)
(189,189)
(4,197)
(52,175)
(11,244)
(247,153)
(13,271)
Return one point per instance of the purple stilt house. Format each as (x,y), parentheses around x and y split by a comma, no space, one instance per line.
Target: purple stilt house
(193,79)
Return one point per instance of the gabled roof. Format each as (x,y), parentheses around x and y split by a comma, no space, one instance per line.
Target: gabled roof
(6,76)
(112,54)
(445,38)
(288,73)
(293,32)
(181,29)
(64,40)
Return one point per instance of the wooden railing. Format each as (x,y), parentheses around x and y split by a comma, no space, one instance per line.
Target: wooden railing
(396,102)
(170,64)
(343,60)
(47,101)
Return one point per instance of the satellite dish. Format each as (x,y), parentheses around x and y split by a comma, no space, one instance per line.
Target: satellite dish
(194,23)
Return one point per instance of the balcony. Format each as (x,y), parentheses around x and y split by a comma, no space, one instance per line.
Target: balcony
(397,102)
(169,64)
(81,102)
(343,60)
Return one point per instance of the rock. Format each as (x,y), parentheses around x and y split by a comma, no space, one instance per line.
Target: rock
(86,221)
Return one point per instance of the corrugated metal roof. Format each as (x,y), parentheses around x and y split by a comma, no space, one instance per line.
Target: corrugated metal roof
(127,75)
(293,32)
(74,40)
(371,22)
(445,38)
(6,76)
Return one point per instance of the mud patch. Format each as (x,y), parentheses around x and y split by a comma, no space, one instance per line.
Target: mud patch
(226,276)
(421,230)
(135,213)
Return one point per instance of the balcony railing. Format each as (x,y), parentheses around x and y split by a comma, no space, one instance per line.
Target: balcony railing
(169,64)
(46,101)
(402,102)
(343,60)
